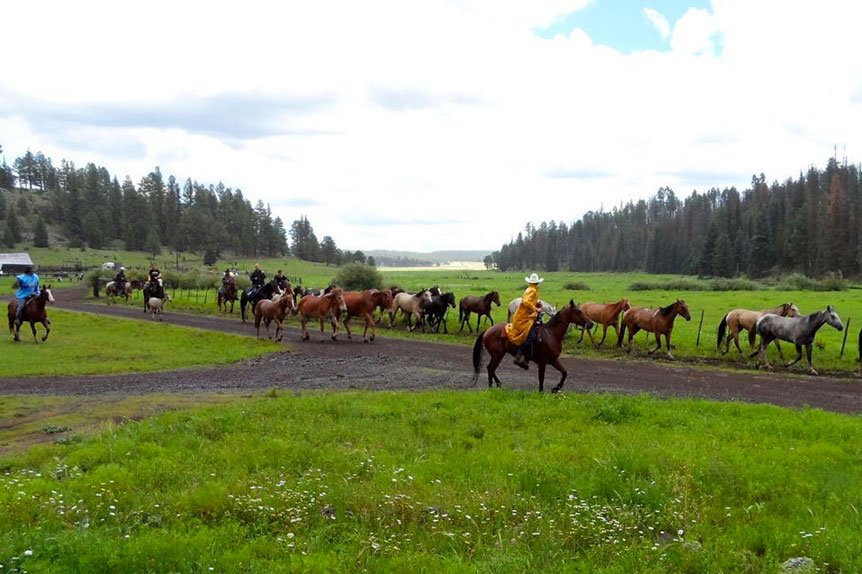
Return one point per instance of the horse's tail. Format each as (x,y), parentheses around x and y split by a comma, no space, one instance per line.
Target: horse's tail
(11,317)
(242,303)
(722,327)
(622,332)
(477,358)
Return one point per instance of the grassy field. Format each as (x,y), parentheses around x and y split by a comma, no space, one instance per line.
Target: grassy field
(356,482)
(81,344)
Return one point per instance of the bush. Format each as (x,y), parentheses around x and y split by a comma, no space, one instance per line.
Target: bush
(576,286)
(356,277)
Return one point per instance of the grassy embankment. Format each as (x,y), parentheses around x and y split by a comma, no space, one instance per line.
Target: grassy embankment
(341,482)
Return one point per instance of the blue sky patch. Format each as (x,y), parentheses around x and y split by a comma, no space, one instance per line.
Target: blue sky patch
(623,24)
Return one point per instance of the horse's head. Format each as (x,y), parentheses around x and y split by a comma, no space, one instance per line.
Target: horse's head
(625,305)
(424,296)
(47,294)
(572,313)
(833,319)
(449,299)
(435,291)
(338,298)
(382,299)
(789,310)
(682,309)
(494,297)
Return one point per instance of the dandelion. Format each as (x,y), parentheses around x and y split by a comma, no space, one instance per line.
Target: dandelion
(28,553)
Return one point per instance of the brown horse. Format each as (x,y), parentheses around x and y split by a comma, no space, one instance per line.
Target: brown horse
(607,314)
(744,319)
(34,312)
(323,307)
(362,304)
(112,291)
(269,310)
(479,305)
(227,294)
(657,321)
(545,352)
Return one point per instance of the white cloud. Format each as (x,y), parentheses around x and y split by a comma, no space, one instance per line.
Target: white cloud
(658,21)
(449,111)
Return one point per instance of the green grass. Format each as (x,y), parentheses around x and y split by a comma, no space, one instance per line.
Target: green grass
(81,343)
(356,481)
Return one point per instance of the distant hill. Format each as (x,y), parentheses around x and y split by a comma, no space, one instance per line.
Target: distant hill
(387,258)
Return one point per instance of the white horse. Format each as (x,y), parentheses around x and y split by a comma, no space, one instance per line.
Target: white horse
(412,306)
(157,306)
(547,308)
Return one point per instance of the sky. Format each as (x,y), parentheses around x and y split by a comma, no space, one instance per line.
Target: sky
(440,124)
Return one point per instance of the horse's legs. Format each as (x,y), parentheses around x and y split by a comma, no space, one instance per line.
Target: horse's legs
(347,328)
(798,356)
(542,367)
(334,322)
(303,321)
(667,342)
(633,330)
(33,328)
(496,358)
(369,320)
(321,329)
(808,354)
(557,365)
(778,346)
(604,336)
(657,343)
(46,324)
(752,335)
(279,332)
(490,318)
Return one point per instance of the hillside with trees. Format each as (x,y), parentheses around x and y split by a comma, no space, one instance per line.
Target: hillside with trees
(89,207)
(810,224)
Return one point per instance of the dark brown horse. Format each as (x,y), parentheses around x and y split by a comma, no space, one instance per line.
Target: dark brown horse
(657,321)
(269,310)
(605,314)
(479,305)
(323,307)
(362,304)
(34,312)
(545,352)
(227,294)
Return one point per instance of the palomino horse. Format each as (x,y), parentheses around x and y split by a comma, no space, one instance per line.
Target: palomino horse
(227,294)
(607,314)
(657,321)
(547,308)
(546,351)
(34,312)
(797,330)
(362,304)
(269,310)
(266,292)
(435,311)
(740,319)
(112,291)
(479,305)
(411,306)
(323,307)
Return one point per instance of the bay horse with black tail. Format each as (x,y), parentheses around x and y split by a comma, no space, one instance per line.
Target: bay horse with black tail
(34,312)
(606,314)
(323,307)
(362,304)
(545,352)
(269,310)
(479,305)
(657,321)
(746,320)
(227,294)
(265,292)
(797,330)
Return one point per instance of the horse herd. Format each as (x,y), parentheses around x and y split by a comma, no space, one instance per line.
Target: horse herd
(429,308)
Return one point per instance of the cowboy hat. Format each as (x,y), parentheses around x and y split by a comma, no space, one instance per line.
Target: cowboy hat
(533,279)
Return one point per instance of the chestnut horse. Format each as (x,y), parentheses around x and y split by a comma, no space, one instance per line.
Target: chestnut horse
(608,314)
(546,350)
(362,304)
(34,312)
(323,307)
(743,319)
(657,321)
(227,293)
(479,305)
(269,310)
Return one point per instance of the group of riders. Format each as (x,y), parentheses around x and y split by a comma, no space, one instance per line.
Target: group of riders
(154,287)
(258,280)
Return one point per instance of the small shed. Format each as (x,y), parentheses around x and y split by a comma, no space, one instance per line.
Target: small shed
(13,263)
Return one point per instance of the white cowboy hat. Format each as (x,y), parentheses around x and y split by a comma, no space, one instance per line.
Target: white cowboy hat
(533,279)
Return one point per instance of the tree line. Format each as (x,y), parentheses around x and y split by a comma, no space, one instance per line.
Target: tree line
(810,224)
(91,207)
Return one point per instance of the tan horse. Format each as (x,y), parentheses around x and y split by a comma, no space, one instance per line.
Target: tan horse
(657,321)
(323,307)
(362,304)
(112,291)
(606,314)
(411,306)
(269,310)
(740,319)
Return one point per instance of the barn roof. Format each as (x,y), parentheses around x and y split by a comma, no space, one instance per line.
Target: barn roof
(15,259)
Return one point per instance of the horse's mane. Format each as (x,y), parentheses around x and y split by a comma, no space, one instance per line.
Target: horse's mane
(665,311)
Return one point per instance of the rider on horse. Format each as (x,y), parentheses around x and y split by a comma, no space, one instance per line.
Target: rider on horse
(281,280)
(120,281)
(523,329)
(155,280)
(258,278)
(28,286)
(226,278)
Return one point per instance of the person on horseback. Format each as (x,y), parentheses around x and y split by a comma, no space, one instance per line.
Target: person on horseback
(155,279)
(120,281)
(522,331)
(28,286)
(258,279)
(226,279)
(281,280)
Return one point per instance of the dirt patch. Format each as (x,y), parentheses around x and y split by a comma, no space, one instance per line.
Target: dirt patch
(404,364)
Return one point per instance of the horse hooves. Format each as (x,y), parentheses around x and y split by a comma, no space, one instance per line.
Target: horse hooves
(812,372)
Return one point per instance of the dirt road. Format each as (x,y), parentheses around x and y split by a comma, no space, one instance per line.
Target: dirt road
(407,364)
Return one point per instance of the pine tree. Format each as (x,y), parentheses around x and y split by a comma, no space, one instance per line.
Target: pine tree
(40,233)
(152,243)
(8,240)
(13,225)
(722,258)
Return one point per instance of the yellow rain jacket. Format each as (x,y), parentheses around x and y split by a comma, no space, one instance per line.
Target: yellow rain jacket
(523,319)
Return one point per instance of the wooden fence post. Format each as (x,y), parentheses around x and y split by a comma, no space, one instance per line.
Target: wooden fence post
(844,342)
(699,327)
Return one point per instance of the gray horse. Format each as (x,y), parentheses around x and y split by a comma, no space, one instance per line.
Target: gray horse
(797,330)
(547,308)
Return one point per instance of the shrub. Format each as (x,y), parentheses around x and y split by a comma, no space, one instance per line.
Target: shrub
(356,277)
(576,286)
